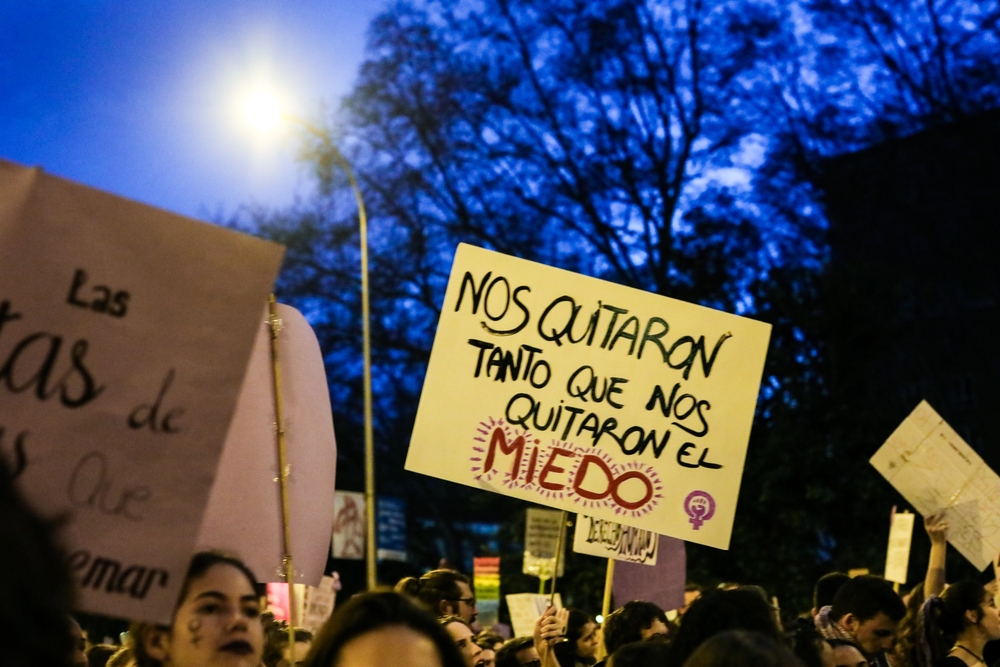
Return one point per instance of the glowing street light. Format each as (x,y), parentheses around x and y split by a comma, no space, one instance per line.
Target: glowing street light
(263,110)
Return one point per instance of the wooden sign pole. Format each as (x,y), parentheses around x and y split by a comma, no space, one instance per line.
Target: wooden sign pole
(609,580)
(279,428)
(559,550)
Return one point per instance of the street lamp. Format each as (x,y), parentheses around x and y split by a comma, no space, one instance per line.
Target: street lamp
(263,110)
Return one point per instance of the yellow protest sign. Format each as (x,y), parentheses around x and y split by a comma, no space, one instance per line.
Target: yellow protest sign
(587,396)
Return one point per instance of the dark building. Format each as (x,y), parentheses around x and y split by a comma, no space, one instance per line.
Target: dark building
(912,294)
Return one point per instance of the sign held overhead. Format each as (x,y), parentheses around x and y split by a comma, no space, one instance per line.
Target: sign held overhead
(588,396)
(937,471)
(125,333)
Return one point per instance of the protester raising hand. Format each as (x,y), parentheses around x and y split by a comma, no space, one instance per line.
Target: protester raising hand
(550,628)
(937,530)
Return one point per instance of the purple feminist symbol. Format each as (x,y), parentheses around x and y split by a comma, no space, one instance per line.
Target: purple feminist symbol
(700,506)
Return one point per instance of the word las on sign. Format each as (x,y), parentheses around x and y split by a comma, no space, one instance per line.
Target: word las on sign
(99,298)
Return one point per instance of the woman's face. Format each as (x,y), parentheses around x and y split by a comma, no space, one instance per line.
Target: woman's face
(586,645)
(488,658)
(990,622)
(463,638)
(217,624)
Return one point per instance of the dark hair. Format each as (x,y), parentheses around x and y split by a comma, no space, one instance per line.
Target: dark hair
(37,589)
(625,625)
(837,643)
(276,641)
(487,639)
(806,641)
(433,588)
(507,655)
(942,619)
(718,611)
(203,561)
(200,564)
(445,621)
(826,588)
(640,654)
(368,612)
(865,597)
(566,651)
(739,648)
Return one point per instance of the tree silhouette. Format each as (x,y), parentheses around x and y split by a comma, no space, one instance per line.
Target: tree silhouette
(666,145)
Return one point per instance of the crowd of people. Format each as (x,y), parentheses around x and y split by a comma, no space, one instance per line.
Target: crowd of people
(431,621)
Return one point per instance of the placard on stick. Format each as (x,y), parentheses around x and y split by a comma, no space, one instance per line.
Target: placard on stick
(936,471)
(588,396)
(125,333)
(244,508)
(662,584)
(897,557)
(607,539)
(541,541)
(348,540)
(526,608)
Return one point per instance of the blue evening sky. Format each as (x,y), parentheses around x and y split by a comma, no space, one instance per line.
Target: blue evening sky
(140,97)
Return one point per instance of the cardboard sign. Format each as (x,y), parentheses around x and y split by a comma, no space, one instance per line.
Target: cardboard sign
(319,603)
(608,539)
(541,539)
(662,584)
(588,396)
(348,540)
(936,471)
(525,609)
(897,558)
(244,509)
(125,333)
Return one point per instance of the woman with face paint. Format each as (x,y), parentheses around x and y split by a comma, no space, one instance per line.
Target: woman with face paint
(216,624)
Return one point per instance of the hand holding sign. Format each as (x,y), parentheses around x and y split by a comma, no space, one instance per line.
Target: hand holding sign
(938,472)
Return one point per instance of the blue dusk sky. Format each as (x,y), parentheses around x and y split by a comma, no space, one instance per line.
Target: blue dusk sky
(142,97)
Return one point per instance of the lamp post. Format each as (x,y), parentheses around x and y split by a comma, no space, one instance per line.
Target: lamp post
(265,112)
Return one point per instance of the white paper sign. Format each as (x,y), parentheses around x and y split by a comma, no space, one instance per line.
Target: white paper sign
(607,539)
(541,539)
(897,558)
(319,603)
(935,470)
(525,608)
(125,333)
(244,509)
